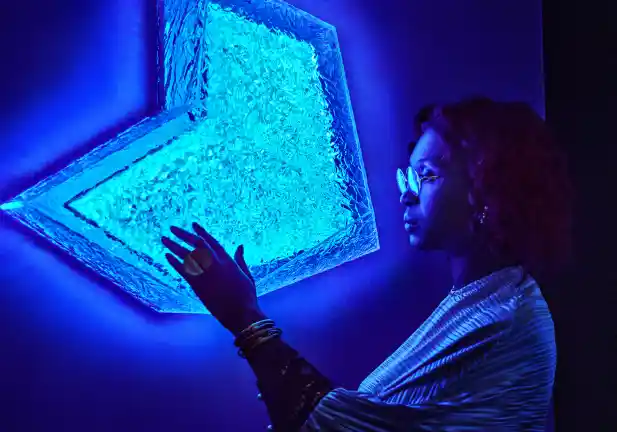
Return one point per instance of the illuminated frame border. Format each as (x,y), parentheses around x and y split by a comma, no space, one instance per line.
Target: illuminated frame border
(41,207)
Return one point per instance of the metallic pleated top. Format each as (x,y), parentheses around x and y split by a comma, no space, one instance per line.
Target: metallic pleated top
(484,360)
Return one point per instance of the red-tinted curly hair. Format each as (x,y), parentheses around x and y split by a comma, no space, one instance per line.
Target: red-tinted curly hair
(519,176)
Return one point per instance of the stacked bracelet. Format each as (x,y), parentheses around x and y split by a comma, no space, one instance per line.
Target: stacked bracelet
(256,334)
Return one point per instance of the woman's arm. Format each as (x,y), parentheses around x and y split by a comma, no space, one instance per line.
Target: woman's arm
(298,397)
(289,385)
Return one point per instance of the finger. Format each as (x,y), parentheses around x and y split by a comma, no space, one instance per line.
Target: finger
(214,244)
(239,257)
(180,251)
(176,264)
(188,237)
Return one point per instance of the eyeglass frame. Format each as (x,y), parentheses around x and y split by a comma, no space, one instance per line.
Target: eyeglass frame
(413,178)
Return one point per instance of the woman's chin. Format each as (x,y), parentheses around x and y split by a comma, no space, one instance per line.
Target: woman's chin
(415,241)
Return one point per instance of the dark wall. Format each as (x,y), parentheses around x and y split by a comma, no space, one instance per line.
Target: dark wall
(76,356)
(581,66)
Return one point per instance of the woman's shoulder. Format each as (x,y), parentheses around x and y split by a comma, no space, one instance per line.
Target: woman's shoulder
(521,309)
(532,315)
(530,338)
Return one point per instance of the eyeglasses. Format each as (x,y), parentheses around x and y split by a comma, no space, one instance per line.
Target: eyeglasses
(412,181)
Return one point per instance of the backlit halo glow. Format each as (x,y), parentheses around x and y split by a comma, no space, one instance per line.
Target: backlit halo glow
(255,140)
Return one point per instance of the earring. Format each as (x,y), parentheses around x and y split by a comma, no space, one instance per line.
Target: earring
(483,215)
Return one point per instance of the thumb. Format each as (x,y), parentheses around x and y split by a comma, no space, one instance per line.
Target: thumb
(239,258)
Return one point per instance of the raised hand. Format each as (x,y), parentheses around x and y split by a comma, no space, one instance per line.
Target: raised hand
(223,284)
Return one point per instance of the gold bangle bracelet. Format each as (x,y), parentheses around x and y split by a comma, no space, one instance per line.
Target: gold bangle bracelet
(269,335)
(257,326)
(253,330)
(272,333)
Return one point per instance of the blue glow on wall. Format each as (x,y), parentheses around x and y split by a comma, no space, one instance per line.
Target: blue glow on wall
(255,140)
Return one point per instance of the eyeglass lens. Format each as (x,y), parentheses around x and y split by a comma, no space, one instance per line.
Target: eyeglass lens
(408,182)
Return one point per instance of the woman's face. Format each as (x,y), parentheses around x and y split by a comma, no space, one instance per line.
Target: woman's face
(438,217)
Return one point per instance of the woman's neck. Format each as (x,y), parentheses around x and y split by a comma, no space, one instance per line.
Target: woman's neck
(469,268)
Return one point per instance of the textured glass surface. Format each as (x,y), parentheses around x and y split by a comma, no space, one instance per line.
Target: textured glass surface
(255,140)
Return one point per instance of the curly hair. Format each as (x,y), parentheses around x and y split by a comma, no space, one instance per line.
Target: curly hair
(519,177)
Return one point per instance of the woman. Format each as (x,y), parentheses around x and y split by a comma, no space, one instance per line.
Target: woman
(486,185)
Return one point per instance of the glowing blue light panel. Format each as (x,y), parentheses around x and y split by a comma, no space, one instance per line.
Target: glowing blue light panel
(255,140)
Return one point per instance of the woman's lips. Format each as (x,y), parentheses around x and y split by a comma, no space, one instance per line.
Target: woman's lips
(411,226)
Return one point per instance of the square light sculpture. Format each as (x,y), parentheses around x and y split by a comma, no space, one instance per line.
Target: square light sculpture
(255,140)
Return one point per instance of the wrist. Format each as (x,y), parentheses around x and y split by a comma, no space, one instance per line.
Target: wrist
(255,335)
(245,320)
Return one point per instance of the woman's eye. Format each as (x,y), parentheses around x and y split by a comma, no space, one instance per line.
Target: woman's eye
(428,177)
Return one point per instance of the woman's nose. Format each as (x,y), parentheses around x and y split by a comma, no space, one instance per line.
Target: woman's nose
(408,198)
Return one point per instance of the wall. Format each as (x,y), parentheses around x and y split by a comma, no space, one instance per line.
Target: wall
(580,105)
(79,356)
